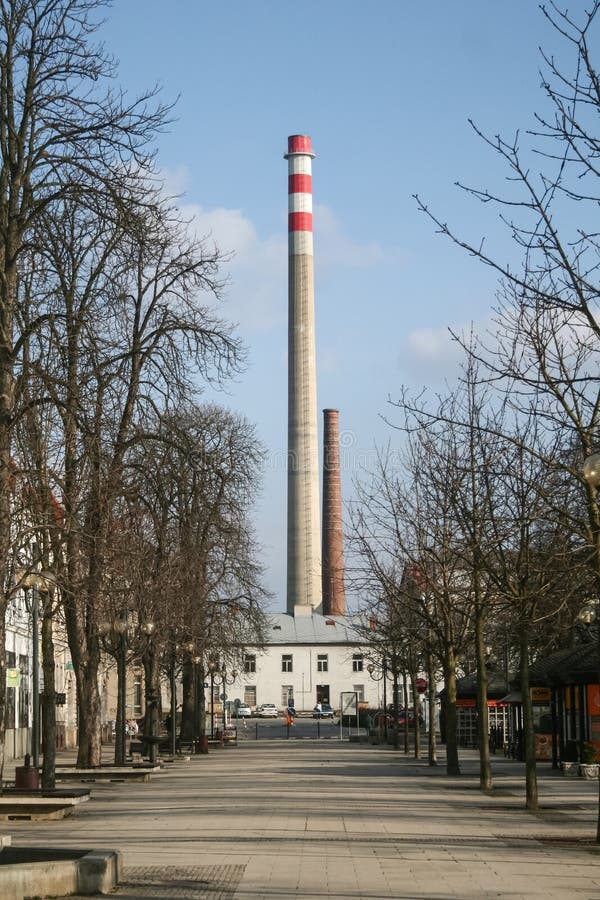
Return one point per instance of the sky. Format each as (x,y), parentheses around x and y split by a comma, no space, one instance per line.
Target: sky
(385,89)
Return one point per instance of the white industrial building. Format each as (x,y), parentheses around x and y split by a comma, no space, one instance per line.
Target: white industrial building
(310,658)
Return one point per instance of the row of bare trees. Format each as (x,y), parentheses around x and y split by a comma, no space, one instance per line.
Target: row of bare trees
(482,529)
(136,493)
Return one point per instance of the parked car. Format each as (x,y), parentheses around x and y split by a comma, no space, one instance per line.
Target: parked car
(380,719)
(242,711)
(267,710)
(322,711)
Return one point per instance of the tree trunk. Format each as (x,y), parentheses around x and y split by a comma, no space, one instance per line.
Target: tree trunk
(452,763)
(431,745)
(48,701)
(405,698)
(151,719)
(485,770)
(89,752)
(416,700)
(187,707)
(531,788)
(121,718)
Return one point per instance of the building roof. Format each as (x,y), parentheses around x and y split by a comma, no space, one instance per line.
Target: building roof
(284,628)
(574,665)
(466,687)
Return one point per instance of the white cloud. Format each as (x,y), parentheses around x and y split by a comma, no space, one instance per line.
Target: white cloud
(334,248)
(257,267)
(256,294)
(430,343)
(430,356)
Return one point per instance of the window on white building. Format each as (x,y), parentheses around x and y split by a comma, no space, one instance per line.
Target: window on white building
(249,663)
(287,694)
(357,662)
(250,694)
(359,690)
(286,663)
(322,662)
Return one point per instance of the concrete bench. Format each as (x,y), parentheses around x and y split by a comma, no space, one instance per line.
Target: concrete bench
(33,805)
(133,772)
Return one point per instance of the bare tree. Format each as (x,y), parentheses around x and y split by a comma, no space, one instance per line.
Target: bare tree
(546,344)
(61,133)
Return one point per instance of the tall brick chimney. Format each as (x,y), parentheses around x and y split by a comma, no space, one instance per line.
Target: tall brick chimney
(334,596)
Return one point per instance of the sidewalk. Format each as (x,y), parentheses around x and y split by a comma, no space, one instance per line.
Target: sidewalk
(281,819)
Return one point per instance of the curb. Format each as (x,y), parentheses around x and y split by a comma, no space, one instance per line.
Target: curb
(85,872)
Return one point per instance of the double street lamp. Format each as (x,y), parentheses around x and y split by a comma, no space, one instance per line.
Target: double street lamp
(219,679)
(380,674)
(36,581)
(122,629)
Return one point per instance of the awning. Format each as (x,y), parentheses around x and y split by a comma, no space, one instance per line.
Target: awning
(512,697)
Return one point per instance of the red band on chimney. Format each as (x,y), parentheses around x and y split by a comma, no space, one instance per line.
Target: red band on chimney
(300,184)
(300,221)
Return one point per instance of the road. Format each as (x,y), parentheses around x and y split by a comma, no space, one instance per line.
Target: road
(274,819)
(303,727)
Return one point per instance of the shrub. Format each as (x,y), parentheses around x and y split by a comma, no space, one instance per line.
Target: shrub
(588,754)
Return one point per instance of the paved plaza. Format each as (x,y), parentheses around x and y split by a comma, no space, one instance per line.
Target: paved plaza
(316,819)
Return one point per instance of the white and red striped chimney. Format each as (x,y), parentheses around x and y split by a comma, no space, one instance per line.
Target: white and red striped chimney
(334,595)
(303,537)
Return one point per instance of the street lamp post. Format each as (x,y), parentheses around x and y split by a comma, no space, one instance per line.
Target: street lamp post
(225,680)
(212,668)
(173,680)
(198,730)
(35,661)
(591,473)
(372,670)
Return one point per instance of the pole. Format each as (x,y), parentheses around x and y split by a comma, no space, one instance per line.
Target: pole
(122,701)
(196,719)
(396,705)
(212,706)
(35,724)
(173,706)
(385,720)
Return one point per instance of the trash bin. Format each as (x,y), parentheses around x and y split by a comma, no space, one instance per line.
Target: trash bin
(27,778)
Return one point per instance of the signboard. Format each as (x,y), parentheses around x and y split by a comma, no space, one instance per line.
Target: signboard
(593,699)
(348,711)
(348,703)
(421,685)
(13,678)
(540,694)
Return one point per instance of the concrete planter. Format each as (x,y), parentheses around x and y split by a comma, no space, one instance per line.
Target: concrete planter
(589,770)
(570,769)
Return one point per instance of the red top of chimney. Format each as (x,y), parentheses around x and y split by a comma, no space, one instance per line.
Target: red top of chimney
(299,144)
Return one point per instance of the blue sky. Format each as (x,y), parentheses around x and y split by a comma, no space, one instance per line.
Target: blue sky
(385,90)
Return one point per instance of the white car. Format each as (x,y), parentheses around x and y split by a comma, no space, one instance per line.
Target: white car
(267,710)
(242,711)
